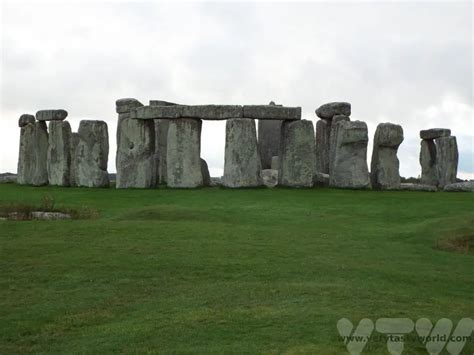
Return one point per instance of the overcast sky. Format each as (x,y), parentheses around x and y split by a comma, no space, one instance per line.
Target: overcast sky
(402,62)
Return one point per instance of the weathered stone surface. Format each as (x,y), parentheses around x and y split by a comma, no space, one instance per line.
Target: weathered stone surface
(434,133)
(135,160)
(321,179)
(51,115)
(384,172)
(7,178)
(350,160)
(297,154)
(272,112)
(216,181)
(269,132)
(161,139)
(417,187)
(25,119)
(276,161)
(59,153)
(33,155)
(206,177)
(328,111)
(92,153)
(162,103)
(184,153)
(74,143)
(242,166)
(446,160)
(323,134)
(270,177)
(429,171)
(466,186)
(49,216)
(156,112)
(332,138)
(126,105)
(212,112)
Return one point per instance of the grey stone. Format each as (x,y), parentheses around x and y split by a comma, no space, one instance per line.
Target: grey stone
(183,153)
(212,112)
(242,166)
(92,153)
(269,132)
(33,155)
(25,119)
(350,160)
(321,179)
(465,186)
(384,172)
(156,112)
(51,115)
(7,178)
(429,171)
(275,162)
(417,187)
(446,160)
(328,111)
(206,177)
(434,133)
(49,216)
(272,112)
(74,143)
(297,154)
(59,153)
(270,177)
(216,181)
(332,138)
(323,134)
(161,139)
(162,103)
(126,105)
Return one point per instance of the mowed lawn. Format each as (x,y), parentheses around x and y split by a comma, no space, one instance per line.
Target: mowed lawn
(217,270)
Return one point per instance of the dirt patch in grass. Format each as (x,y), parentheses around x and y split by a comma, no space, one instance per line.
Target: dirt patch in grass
(458,243)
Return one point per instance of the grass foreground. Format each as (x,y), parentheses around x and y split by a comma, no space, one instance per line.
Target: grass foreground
(217,270)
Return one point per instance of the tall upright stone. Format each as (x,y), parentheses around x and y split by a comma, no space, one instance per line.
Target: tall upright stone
(74,144)
(184,153)
(323,134)
(297,165)
(92,153)
(242,166)
(429,171)
(161,144)
(446,160)
(33,155)
(384,172)
(350,159)
(59,153)
(332,138)
(268,140)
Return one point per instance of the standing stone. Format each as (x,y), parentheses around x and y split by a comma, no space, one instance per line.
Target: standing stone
(332,138)
(350,160)
(161,140)
(323,134)
(429,171)
(384,172)
(183,155)
(446,160)
(92,154)
(297,154)
(206,177)
(276,161)
(33,155)
(268,140)
(25,119)
(74,143)
(59,153)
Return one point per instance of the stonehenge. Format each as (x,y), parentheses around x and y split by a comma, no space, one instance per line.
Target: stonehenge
(268,141)
(59,153)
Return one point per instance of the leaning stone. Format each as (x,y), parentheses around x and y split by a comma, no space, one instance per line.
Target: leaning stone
(183,156)
(350,160)
(33,155)
(25,119)
(59,153)
(242,166)
(272,112)
(270,177)
(161,103)
(126,105)
(328,111)
(269,132)
(92,153)
(384,172)
(417,187)
(74,143)
(297,154)
(434,133)
(206,177)
(275,162)
(446,160)
(156,112)
(161,139)
(466,186)
(429,171)
(332,138)
(212,112)
(321,179)
(323,134)
(51,115)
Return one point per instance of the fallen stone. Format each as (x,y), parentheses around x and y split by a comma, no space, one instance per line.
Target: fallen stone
(242,166)
(270,177)
(328,111)
(25,119)
(126,105)
(323,134)
(446,160)
(269,132)
(321,179)
(33,155)
(384,172)
(51,115)
(49,216)
(271,112)
(92,153)
(275,162)
(206,177)
(434,133)
(332,139)
(8,178)
(184,153)
(216,181)
(59,153)
(417,187)
(350,160)
(212,112)
(466,186)
(429,171)
(297,154)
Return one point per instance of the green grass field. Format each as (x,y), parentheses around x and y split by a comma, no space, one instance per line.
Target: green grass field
(216,270)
